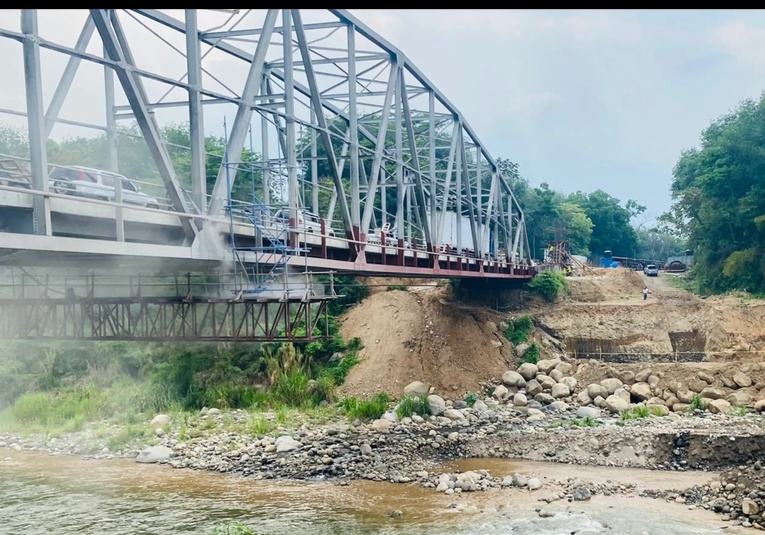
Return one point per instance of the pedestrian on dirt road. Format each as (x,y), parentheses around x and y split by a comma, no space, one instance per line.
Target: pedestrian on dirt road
(645,293)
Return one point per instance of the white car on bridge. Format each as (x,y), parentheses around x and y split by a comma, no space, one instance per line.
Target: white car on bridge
(97,184)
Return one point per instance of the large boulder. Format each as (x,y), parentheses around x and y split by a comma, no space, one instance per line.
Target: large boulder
(520,400)
(528,370)
(436,404)
(511,378)
(611,384)
(719,406)
(570,382)
(416,388)
(286,443)
(560,390)
(588,412)
(533,387)
(154,454)
(595,390)
(640,391)
(500,393)
(548,365)
(616,404)
(712,392)
(742,380)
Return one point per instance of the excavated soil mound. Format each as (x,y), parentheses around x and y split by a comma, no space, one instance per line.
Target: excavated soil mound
(418,335)
(605,284)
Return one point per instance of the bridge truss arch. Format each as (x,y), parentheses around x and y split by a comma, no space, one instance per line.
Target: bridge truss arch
(324,115)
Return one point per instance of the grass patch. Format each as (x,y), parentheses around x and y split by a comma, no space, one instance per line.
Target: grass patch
(370,409)
(697,403)
(471,398)
(588,421)
(397,287)
(636,413)
(126,436)
(411,405)
(519,330)
(738,411)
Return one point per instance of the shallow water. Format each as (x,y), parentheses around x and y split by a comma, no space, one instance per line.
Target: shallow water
(42,494)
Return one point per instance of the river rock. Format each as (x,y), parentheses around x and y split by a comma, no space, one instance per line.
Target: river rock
(707,378)
(154,454)
(759,405)
(556,375)
(697,385)
(749,507)
(416,388)
(511,378)
(581,494)
(584,398)
(643,375)
(534,484)
(286,443)
(519,400)
(739,398)
(521,349)
(501,393)
(528,370)
(436,404)
(365,449)
(564,367)
(382,425)
(453,414)
(616,404)
(480,406)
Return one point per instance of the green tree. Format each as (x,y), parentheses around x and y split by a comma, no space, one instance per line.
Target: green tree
(719,201)
(657,244)
(611,222)
(578,226)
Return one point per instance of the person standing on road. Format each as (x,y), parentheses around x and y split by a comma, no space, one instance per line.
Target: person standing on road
(645,293)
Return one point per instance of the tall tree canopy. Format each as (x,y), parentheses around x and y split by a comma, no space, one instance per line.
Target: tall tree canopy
(718,191)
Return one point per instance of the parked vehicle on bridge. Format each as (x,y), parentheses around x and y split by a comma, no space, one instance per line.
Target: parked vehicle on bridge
(97,184)
(651,270)
(306,222)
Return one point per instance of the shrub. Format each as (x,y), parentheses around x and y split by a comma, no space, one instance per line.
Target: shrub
(410,405)
(519,329)
(232,528)
(549,284)
(397,287)
(532,354)
(696,403)
(471,398)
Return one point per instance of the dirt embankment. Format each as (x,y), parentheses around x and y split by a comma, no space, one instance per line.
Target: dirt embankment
(424,334)
(418,335)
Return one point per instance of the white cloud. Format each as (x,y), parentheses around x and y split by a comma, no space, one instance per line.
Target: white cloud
(741,40)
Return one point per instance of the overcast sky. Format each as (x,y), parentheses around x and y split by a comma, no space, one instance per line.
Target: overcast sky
(580,99)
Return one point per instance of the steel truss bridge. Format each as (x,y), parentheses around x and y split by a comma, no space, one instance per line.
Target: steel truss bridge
(319,113)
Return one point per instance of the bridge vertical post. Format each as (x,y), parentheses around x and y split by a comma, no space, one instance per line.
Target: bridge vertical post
(354,137)
(289,111)
(35,122)
(264,148)
(196,114)
(119,219)
(435,236)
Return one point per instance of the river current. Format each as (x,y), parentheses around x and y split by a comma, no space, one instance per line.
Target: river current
(46,494)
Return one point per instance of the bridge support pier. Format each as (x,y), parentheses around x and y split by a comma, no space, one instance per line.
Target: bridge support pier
(500,294)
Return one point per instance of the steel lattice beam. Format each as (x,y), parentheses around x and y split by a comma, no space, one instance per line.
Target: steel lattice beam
(324,90)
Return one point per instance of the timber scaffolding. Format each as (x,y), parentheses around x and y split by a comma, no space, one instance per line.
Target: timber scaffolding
(200,307)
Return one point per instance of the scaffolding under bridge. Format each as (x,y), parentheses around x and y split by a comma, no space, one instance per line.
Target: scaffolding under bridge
(191,308)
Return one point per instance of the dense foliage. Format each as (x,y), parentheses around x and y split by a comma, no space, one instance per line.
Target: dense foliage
(719,201)
(550,285)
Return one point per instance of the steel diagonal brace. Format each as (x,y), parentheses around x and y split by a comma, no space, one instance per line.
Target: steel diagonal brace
(115,46)
(322,121)
(419,188)
(235,143)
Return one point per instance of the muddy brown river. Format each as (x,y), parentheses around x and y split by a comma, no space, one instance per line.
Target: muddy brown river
(46,494)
